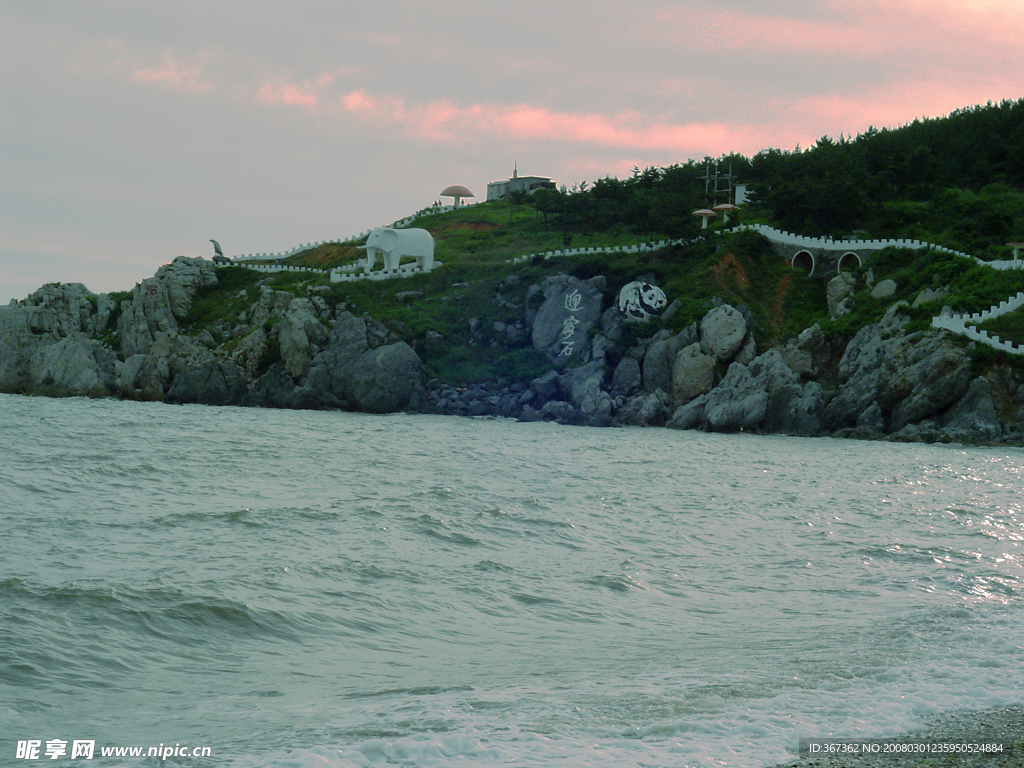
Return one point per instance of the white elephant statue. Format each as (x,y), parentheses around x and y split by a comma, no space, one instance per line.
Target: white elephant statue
(396,243)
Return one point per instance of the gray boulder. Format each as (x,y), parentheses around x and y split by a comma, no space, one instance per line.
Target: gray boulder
(693,374)
(722,331)
(54,312)
(657,367)
(72,367)
(689,416)
(584,385)
(765,396)
(659,353)
(739,402)
(795,410)
(808,354)
(928,294)
(146,314)
(649,409)
(747,352)
(350,373)
(210,382)
(547,386)
(870,423)
(250,351)
(911,377)
(144,377)
(271,304)
(973,419)
(184,277)
(838,288)
(159,302)
(560,411)
(611,323)
(627,377)
(884,289)
(300,334)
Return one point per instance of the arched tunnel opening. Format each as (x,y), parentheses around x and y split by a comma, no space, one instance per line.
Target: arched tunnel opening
(803,261)
(848,261)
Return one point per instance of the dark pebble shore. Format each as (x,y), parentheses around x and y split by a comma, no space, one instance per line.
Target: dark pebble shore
(1002,725)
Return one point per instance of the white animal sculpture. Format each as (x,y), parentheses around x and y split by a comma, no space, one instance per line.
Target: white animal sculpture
(396,243)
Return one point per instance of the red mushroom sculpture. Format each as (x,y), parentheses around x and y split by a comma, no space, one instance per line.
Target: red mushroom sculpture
(458,192)
(706,213)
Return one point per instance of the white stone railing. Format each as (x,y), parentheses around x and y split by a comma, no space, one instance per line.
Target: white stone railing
(338,275)
(788,238)
(296,249)
(966,324)
(640,247)
(271,267)
(956,324)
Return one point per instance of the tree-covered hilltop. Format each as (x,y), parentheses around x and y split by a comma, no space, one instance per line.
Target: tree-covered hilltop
(956,180)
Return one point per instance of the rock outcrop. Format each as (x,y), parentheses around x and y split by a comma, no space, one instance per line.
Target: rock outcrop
(66,314)
(159,302)
(693,373)
(272,348)
(910,377)
(358,370)
(722,331)
(764,396)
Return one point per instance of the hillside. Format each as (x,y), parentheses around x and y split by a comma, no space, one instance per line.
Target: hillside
(746,341)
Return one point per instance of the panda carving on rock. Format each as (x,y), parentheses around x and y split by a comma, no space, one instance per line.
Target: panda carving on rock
(641,301)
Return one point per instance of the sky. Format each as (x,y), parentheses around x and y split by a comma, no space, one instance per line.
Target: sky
(134,132)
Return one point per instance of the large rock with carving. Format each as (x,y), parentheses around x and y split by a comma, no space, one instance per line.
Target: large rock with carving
(571,307)
(640,301)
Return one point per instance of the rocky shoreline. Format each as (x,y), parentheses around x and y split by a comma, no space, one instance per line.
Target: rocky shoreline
(1001,725)
(885,383)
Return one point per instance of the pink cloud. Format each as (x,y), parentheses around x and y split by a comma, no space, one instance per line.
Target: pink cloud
(173,74)
(442,121)
(305,95)
(858,28)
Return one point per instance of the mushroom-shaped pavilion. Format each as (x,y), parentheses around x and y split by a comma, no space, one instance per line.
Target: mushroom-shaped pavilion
(725,209)
(705,213)
(458,192)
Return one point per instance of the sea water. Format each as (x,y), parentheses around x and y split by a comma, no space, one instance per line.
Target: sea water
(333,589)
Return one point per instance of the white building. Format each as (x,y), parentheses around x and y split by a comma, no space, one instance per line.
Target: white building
(499,190)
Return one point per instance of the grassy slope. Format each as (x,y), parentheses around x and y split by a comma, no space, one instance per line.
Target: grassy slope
(475,244)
